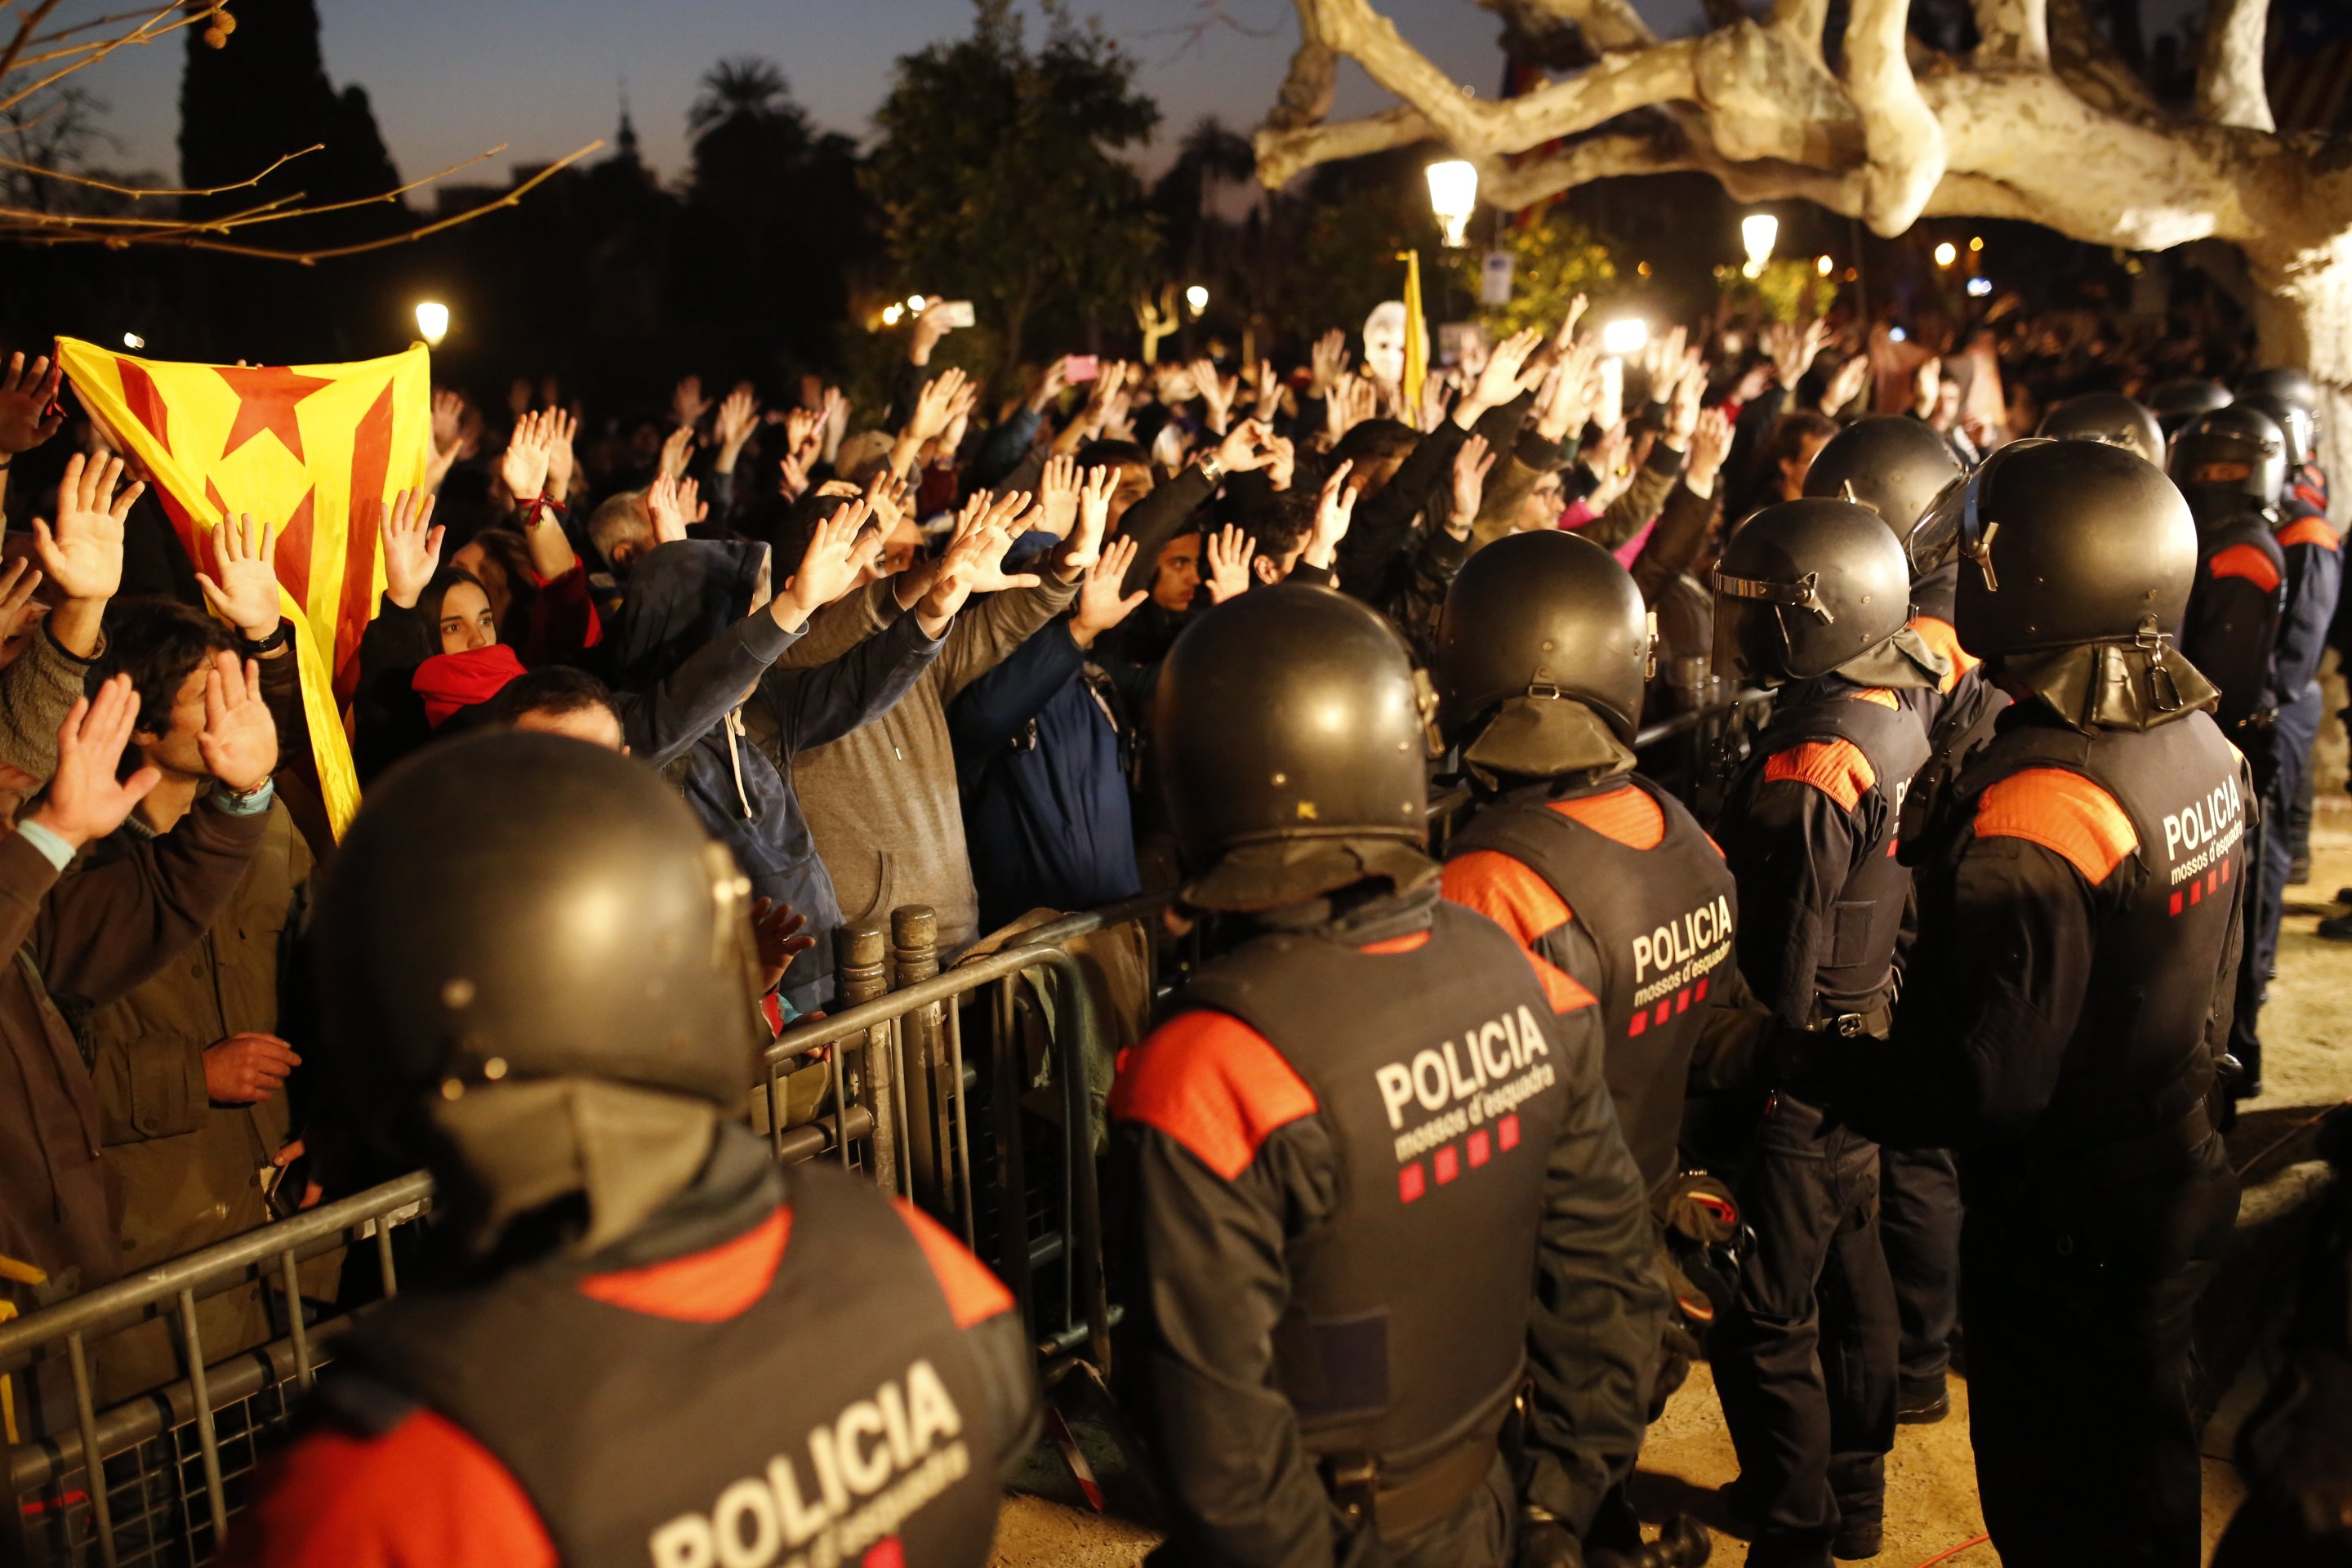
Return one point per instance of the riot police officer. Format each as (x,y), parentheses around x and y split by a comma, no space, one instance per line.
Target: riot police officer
(1382,1186)
(2231,466)
(1813,598)
(2313,597)
(2066,1000)
(1899,468)
(1542,653)
(2107,416)
(2177,402)
(644,1341)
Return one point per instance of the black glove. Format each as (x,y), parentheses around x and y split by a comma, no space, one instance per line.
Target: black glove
(1548,1543)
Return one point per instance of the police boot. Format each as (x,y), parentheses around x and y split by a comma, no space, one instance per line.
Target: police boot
(1683,1544)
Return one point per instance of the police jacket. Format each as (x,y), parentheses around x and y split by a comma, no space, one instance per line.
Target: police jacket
(2314,565)
(1614,884)
(2079,930)
(2234,609)
(1810,833)
(1381,1184)
(821,1374)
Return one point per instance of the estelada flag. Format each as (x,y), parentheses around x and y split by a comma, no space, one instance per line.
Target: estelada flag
(320,450)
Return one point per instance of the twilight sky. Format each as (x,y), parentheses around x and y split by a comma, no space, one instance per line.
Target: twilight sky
(452,78)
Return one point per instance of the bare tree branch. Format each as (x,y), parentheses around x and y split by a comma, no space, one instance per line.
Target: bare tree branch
(1281,153)
(150,193)
(1481,129)
(2013,32)
(1899,131)
(1802,23)
(2230,90)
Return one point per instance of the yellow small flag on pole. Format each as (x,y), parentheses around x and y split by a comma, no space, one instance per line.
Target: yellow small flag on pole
(1416,335)
(319,450)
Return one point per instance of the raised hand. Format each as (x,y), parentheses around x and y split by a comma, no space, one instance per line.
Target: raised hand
(560,428)
(1246,447)
(677,451)
(1710,445)
(1562,338)
(835,558)
(1229,551)
(776,930)
(1217,393)
(1101,606)
(1335,509)
(1057,497)
(1281,461)
(1792,349)
(988,573)
(243,587)
(523,469)
(1470,468)
(739,416)
(835,408)
(935,405)
(85,799)
(239,744)
(1329,362)
(1505,376)
(1846,385)
(1051,383)
(687,403)
(412,547)
(931,326)
(674,503)
(19,611)
(82,554)
(1682,412)
(29,404)
(448,418)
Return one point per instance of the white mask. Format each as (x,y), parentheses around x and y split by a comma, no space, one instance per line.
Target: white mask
(1384,331)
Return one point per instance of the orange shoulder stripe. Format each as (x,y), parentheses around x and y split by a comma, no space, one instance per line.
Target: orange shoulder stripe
(1625,814)
(2247,561)
(706,1286)
(1412,942)
(1505,892)
(425,1491)
(1878,694)
(974,1295)
(1563,990)
(1836,768)
(2307,530)
(2064,813)
(1214,1085)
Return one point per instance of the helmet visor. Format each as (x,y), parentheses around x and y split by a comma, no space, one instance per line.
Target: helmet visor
(1936,538)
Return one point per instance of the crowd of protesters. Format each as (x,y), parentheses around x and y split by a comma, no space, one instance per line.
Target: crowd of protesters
(889,656)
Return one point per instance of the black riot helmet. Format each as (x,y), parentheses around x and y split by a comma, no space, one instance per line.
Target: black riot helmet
(2063,543)
(2107,416)
(512,908)
(1805,586)
(2230,461)
(1285,718)
(2287,385)
(1536,623)
(2176,402)
(2298,424)
(1895,466)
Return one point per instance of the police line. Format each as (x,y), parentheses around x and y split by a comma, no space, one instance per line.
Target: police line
(894,1106)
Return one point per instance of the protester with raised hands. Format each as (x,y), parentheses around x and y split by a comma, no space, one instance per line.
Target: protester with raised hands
(77,560)
(1041,743)
(94,936)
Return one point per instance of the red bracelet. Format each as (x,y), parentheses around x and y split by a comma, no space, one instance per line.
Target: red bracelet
(541,502)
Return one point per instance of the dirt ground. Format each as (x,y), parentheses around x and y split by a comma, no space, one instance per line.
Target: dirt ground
(1931,1502)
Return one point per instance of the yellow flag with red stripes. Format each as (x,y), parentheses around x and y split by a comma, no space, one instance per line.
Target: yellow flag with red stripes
(318,449)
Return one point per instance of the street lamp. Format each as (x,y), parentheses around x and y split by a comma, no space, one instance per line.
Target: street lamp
(1625,337)
(134,340)
(1196,298)
(1947,253)
(432,322)
(1823,265)
(1454,196)
(1758,231)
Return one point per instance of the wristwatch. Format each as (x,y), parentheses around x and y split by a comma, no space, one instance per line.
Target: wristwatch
(1212,470)
(273,642)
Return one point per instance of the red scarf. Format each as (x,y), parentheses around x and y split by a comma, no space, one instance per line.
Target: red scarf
(448,682)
